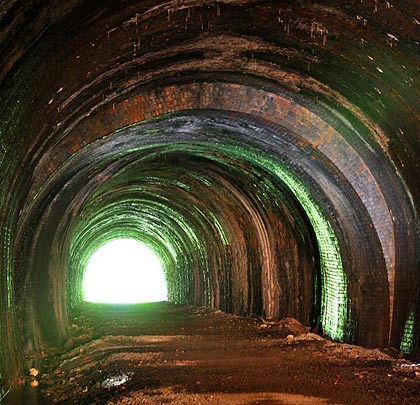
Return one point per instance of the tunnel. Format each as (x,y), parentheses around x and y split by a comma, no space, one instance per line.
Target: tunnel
(266,151)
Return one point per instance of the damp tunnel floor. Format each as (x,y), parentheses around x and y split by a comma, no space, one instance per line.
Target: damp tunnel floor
(160,353)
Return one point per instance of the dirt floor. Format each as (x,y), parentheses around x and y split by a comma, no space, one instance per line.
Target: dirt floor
(166,354)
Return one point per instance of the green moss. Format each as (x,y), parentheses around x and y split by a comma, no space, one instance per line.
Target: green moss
(406,345)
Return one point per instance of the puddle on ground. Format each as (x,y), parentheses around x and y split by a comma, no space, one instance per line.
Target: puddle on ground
(115,381)
(25,395)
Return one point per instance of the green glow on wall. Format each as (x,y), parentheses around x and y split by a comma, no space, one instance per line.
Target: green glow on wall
(220,230)
(334,302)
(334,282)
(124,271)
(406,345)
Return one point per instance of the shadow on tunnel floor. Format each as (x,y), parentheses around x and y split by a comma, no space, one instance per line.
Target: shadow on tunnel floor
(163,353)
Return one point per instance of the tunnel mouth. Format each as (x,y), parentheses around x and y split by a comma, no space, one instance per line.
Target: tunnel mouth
(124,271)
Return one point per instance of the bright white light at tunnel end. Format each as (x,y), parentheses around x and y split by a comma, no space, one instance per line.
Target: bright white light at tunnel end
(124,271)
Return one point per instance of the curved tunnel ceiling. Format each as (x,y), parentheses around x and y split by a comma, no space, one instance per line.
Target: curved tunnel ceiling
(267,151)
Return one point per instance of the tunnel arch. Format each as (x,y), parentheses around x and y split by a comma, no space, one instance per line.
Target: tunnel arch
(193,134)
(277,68)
